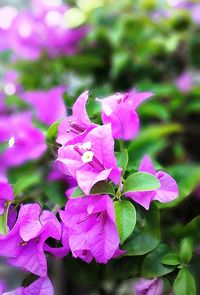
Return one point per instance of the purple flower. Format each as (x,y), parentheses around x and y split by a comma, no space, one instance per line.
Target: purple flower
(184,82)
(6,193)
(23,141)
(42,28)
(91,160)
(167,192)
(41,286)
(195,12)
(120,110)
(75,127)
(7,14)
(89,228)
(49,105)
(149,287)
(24,244)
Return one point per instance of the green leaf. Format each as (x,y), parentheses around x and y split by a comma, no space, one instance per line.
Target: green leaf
(171,259)
(52,131)
(122,159)
(141,181)
(77,193)
(125,216)
(101,187)
(186,250)
(55,193)
(26,182)
(152,266)
(3,222)
(184,283)
(3,147)
(146,235)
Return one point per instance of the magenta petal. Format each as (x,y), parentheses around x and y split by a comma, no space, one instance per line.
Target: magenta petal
(102,145)
(146,165)
(31,257)
(6,191)
(168,190)
(90,225)
(70,160)
(58,252)
(9,243)
(136,98)
(87,178)
(149,287)
(79,108)
(42,286)
(142,198)
(31,225)
(49,105)
(103,241)
(124,121)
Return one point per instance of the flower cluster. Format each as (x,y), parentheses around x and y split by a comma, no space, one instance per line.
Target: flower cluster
(42,28)
(88,226)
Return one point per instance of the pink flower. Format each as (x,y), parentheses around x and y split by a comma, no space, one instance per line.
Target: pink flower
(22,140)
(91,160)
(89,228)
(149,287)
(41,286)
(42,28)
(6,193)
(48,105)
(24,244)
(75,127)
(120,110)
(167,192)
(184,82)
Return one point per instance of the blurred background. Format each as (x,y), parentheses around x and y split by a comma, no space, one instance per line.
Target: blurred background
(109,46)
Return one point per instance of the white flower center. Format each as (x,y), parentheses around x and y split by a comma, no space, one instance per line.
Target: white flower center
(9,89)
(87,157)
(87,146)
(11,142)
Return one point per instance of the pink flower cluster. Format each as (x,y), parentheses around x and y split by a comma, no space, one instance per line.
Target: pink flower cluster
(41,28)
(86,227)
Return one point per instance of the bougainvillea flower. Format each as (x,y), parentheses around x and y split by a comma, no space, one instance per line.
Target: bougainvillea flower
(167,192)
(90,228)
(7,14)
(24,244)
(195,13)
(91,160)
(6,193)
(76,126)
(41,29)
(120,110)
(41,286)
(184,82)
(48,105)
(22,140)
(149,287)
